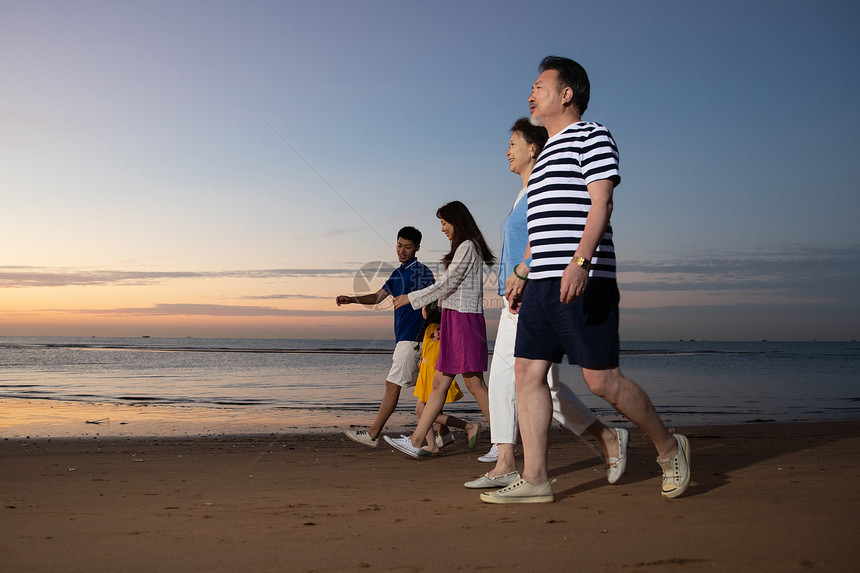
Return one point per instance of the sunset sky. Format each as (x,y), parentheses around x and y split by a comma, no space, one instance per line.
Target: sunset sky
(226,168)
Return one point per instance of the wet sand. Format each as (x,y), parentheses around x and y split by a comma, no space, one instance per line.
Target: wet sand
(55,419)
(764,497)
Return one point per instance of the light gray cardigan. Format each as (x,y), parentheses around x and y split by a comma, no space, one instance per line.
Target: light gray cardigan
(461,288)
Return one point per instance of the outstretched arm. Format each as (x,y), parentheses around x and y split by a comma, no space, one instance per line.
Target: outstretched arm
(369,299)
(464,258)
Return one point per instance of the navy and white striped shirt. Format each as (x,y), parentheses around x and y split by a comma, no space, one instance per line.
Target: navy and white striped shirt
(558,200)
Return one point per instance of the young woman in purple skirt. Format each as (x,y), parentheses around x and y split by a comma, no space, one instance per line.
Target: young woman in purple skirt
(463,332)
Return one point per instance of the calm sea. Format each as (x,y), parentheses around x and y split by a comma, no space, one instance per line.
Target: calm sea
(689,382)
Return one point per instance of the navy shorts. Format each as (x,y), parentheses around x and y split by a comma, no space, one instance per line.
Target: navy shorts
(586,329)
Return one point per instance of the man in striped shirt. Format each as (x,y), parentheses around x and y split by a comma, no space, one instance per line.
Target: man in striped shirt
(571,303)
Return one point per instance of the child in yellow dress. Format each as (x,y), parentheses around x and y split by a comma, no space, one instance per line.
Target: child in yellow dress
(426,372)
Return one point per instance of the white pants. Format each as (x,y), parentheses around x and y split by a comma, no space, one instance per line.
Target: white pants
(567,409)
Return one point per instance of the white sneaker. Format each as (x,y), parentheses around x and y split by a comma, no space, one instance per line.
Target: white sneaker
(492,456)
(676,470)
(615,466)
(362,437)
(486,481)
(520,491)
(404,444)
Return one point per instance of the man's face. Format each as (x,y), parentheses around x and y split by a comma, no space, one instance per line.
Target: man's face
(545,100)
(406,250)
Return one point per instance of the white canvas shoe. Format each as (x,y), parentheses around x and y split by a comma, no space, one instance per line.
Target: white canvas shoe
(485,481)
(520,491)
(404,444)
(615,466)
(676,470)
(362,437)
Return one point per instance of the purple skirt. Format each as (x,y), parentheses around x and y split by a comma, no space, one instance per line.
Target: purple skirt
(462,343)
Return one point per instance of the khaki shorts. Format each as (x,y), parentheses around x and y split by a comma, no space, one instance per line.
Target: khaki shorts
(404,364)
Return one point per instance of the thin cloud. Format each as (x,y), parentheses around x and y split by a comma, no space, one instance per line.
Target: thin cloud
(335,232)
(27,277)
(762,262)
(812,272)
(221,310)
(286,297)
(753,322)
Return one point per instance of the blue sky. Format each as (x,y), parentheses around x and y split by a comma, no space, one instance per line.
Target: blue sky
(224,168)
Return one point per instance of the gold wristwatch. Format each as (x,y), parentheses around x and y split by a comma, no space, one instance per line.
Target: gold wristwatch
(582,262)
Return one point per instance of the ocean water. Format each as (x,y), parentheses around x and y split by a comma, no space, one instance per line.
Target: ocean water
(690,382)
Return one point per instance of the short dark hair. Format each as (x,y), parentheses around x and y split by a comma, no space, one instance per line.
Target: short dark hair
(533,134)
(570,75)
(410,234)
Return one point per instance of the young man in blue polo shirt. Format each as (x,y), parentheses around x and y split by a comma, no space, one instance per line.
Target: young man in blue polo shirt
(410,276)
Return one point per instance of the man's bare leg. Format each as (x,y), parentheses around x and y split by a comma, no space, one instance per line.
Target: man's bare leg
(633,403)
(534,408)
(386,408)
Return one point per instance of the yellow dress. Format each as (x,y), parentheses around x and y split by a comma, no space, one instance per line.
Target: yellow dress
(427,370)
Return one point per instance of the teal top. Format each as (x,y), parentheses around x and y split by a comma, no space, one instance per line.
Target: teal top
(515,238)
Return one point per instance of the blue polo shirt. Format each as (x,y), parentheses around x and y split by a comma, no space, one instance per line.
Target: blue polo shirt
(411,276)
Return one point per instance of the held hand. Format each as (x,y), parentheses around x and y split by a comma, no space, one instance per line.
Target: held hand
(401,300)
(514,287)
(514,304)
(573,282)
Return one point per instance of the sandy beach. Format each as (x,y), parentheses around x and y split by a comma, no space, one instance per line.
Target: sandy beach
(764,497)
